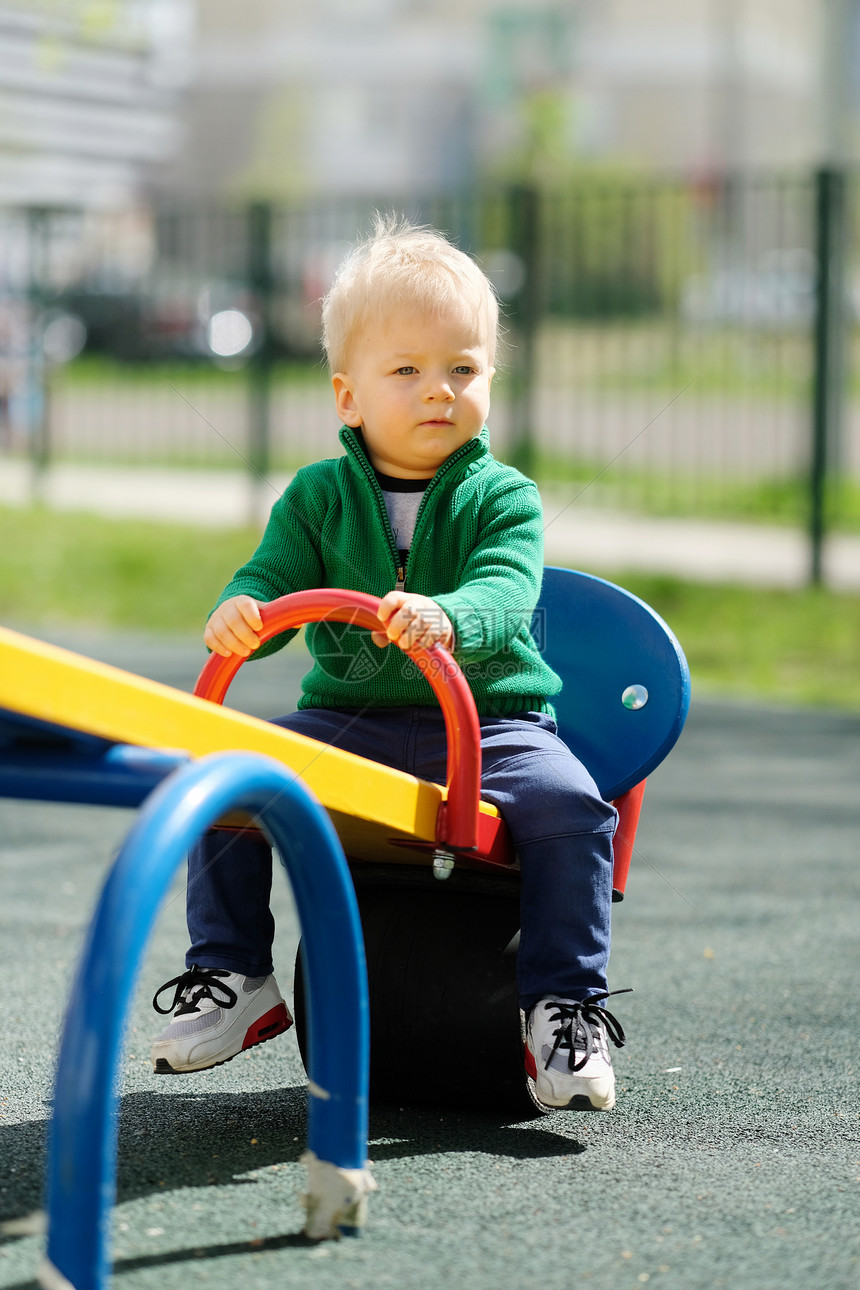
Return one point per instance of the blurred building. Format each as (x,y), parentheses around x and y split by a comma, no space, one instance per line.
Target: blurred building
(290,98)
(342,96)
(89,96)
(275,98)
(702,84)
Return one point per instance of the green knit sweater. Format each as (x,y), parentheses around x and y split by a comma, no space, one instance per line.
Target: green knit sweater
(477,550)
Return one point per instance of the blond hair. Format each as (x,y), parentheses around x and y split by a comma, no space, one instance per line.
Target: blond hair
(404,264)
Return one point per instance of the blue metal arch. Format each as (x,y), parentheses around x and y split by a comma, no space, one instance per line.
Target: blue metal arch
(82,1156)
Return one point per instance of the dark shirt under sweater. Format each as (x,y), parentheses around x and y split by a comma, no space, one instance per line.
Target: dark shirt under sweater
(402,500)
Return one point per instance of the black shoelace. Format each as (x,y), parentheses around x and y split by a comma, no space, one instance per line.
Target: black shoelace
(195,984)
(575,1031)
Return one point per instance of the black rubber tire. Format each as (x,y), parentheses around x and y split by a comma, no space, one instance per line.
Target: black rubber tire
(444,1016)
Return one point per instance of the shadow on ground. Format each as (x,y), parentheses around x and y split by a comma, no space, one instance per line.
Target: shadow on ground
(732,1160)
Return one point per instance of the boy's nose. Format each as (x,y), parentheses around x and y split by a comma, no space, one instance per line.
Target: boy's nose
(439,388)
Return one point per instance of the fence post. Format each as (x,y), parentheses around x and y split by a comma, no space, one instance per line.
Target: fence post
(38,392)
(260,279)
(829,343)
(523,318)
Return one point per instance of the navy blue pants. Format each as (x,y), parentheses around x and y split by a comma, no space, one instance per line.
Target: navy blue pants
(560,826)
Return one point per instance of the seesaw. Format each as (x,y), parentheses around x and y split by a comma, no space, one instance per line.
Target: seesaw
(74,730)
(441,957)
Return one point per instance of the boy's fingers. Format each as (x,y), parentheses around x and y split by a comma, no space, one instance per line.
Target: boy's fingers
(244,633)
(242,619)
(238,636)
(216,647)
(413,633)
(230,634)
(408,624)
(419,632)
(391,626)
(389,604)
(250,611)
(425,639)
(400,627)
(228,643)
(212,641)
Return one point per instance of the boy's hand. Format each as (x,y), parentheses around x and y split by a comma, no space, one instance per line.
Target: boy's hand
(412,620)
(233,627)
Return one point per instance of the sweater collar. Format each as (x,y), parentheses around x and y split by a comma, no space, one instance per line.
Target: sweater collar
(473,450)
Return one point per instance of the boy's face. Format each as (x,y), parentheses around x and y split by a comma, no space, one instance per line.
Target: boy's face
(418,386)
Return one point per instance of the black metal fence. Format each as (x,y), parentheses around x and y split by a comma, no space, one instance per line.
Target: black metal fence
(671,347)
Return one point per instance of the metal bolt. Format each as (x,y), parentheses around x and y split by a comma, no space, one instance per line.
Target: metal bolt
(635,697)
(443,864)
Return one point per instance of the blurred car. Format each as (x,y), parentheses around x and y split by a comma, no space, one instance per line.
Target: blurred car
(777,290)
(169,317)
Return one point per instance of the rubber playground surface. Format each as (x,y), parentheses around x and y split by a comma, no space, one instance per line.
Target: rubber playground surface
(732,1158)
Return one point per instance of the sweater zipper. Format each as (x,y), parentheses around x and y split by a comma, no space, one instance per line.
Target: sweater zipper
(400,569)
(422,506)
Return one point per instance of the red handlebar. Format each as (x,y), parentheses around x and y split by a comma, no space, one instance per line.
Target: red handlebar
(457,826)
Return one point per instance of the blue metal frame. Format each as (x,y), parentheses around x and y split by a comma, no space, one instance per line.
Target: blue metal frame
(45,762)
(82,1156)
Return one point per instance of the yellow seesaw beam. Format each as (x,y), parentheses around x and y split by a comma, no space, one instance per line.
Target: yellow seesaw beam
(368,803)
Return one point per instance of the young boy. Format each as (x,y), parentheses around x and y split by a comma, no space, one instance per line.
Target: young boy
(419,513)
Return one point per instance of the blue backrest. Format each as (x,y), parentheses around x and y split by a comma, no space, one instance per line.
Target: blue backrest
(626,682)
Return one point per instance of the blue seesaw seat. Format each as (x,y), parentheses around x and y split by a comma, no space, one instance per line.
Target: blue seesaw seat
(626,689)
(603,642)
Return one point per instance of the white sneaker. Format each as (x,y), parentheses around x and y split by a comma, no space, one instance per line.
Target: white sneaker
(216,1014)
(567,1054)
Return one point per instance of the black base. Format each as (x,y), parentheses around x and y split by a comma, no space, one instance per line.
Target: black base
(444,1016)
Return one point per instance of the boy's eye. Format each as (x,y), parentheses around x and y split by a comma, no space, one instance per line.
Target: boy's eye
(406,371)
(463,369)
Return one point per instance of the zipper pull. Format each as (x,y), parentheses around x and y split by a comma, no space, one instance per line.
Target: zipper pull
(401,578)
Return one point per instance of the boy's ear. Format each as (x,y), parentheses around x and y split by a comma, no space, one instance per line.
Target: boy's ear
(345,400)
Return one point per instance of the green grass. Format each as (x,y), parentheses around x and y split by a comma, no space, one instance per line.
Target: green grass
(789,647)
(97,372)
(784,501)
(796,647)
(82,569)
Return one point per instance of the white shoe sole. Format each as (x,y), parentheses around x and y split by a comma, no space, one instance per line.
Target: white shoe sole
(205,1052)
(587,1099)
